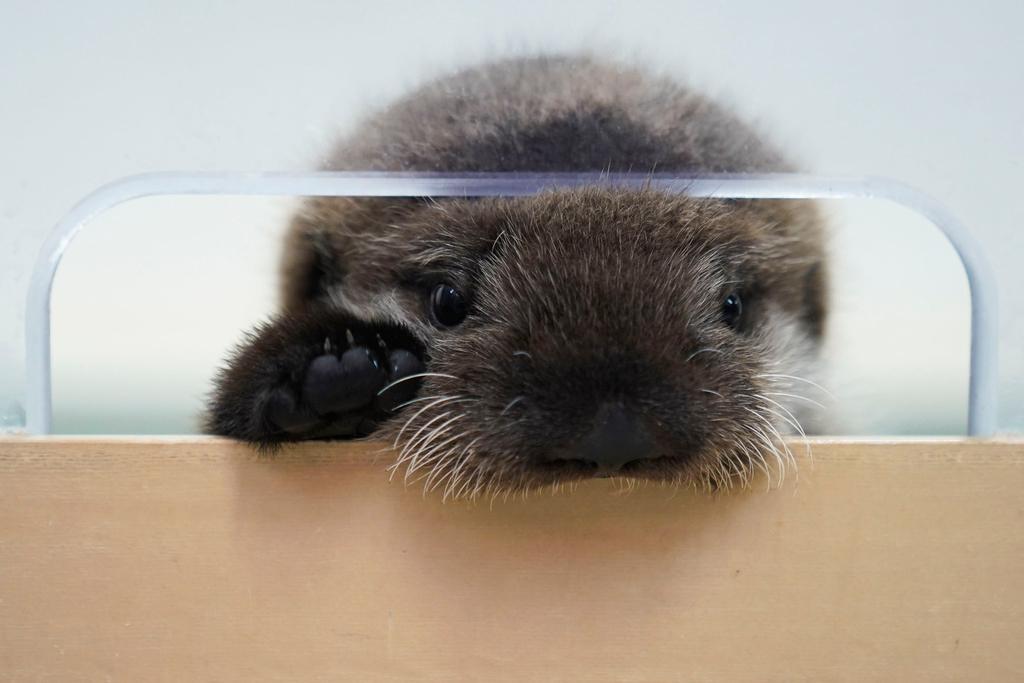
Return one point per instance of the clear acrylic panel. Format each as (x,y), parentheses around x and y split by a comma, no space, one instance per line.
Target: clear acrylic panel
(95,93)
(136,343)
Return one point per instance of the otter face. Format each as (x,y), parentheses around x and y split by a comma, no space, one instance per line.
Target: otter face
(595,333)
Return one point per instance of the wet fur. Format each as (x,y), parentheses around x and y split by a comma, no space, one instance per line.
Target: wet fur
(577,296)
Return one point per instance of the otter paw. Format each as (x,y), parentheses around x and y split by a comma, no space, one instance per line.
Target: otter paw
(314,374)
(345,394)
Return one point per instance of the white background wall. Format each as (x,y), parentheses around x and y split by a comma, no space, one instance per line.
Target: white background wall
(151,295)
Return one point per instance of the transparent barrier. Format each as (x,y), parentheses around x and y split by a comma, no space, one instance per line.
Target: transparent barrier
(982,396)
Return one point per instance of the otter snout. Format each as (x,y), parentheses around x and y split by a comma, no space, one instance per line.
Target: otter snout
(618,437)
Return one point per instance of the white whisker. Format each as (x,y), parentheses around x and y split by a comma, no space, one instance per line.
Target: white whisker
(796,396)
(513,402)
(434,454)
(700,351)
(433,434)
(443,399)
(415,376)
(797,379)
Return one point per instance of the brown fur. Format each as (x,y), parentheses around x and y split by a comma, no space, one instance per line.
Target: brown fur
(578,297)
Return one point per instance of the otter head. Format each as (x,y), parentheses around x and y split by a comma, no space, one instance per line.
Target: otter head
(588,333)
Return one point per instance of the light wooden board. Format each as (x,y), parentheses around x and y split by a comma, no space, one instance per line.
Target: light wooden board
(193,559)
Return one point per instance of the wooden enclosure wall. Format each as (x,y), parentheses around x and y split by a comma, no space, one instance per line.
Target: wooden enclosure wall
(180,560)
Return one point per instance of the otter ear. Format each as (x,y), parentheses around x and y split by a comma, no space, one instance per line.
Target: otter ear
(326,235)
(311,263)
(815,304)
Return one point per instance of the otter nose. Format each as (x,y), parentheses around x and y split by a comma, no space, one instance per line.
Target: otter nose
(616,438)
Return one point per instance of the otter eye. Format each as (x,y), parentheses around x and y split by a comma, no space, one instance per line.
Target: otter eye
(732,308)
(447,305)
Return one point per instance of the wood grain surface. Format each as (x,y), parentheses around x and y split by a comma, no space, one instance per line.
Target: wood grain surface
(195,559)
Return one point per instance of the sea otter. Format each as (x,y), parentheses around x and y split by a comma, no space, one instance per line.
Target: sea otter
(507,343)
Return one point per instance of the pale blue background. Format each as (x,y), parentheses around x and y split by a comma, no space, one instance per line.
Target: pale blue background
(929,93)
